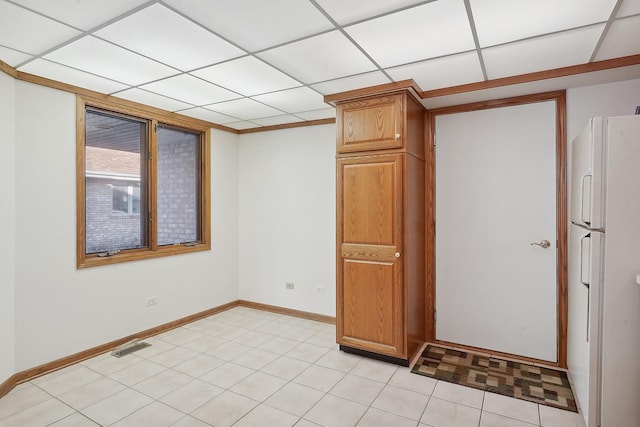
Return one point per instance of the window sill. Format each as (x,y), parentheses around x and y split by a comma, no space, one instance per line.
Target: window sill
(93,260)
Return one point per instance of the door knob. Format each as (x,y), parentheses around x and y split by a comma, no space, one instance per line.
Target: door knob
(397,254)
(544,244)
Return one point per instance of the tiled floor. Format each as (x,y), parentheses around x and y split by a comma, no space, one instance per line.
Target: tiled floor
(245,367)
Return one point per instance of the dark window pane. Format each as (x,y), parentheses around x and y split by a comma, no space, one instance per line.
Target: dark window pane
(114,171)
(178,186)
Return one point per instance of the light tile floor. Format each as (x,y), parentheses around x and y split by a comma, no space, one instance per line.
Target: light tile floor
(246,367)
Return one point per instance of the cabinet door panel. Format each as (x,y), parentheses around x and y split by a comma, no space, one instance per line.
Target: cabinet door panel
(371,306)
(370,124)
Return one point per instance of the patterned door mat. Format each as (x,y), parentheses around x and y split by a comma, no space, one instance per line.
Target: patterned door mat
(515,379)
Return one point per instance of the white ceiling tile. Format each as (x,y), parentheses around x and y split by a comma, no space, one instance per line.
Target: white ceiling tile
(248,76)
(621,39)
(434,29)
(324,57)
(245,109)
(12,57)
(345,12)
(53,71)
(501,21)
(191,90)
(256,24)
(242,125)
(208,115)
(83,14)
(168,37)
(541,53)
(353,82)
(293,100)
(325,113)
(153,99)
(29,32)
(441,72)
(628,8)
(104,59)
(277,120)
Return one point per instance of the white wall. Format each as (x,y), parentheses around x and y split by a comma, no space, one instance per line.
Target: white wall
(7,226)
(61,310)
(287,217)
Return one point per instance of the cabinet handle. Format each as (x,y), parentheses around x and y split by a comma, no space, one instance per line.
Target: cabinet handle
(397,254)
(397,136)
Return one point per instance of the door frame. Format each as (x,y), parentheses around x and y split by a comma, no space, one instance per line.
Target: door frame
(559,97)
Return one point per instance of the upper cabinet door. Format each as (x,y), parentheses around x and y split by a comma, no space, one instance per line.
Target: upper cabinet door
(370,124)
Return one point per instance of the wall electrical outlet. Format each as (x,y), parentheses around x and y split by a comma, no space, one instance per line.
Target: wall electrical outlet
(290,285)
(151,301)
(321,289)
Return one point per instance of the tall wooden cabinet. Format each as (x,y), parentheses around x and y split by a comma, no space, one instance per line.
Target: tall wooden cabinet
(381,225)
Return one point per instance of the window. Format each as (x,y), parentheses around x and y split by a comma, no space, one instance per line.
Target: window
(142,184)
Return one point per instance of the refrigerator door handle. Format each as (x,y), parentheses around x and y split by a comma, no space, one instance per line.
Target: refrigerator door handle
(583,200)
(587,236)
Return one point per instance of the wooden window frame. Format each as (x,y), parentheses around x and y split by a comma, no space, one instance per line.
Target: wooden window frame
(152,250)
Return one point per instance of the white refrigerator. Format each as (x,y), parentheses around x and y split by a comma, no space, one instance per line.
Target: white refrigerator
(603,342)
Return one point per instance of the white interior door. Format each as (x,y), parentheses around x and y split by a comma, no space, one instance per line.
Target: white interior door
(495,195)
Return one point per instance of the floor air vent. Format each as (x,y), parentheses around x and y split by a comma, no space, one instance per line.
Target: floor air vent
(129,348)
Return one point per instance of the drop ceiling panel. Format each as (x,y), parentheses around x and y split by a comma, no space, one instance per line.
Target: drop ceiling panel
(293,100)
(256,24)
(542,53)
(190,89)
(208,115)
(242,125)
(628,8)
(351,83)
(423,32)
(166,36)
(325,113)
(324,57)
(29,32)
(241,75)
(13,57)
(276,120)
(153,99)
(245,109)
(346,12)
(441,72)
(53,71)
(501,21)
(82,14)
(622,39)
(104,59)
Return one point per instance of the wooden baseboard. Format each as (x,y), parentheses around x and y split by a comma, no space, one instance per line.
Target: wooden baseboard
(29,374)
(288,311)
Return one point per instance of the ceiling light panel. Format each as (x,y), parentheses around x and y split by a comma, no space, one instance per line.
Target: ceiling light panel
(324,57)
(168,37)
(501,21)
(153,99)
(346,12)
(256,24)
(244,109)
(325,113)
(190,89)
(208,115)
(628,8)
(542,53)
(105,59)
(12,57)
(441,72)
(248,76)
(423,32)
(350,83)
(293,100)
(622,39)
(61,73)
(29,32)
(84,15)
